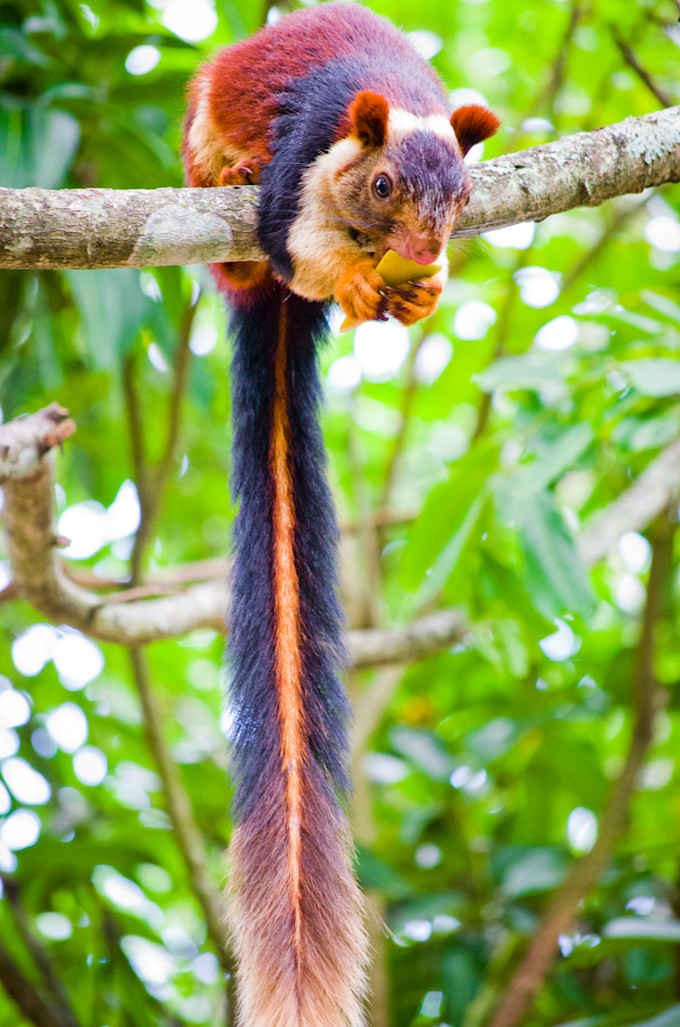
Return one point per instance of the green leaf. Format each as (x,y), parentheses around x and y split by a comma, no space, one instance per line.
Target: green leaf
(662,304)
(494,739)
(535,870)
(537,371)
(644,324)
(55,137)
(653,376)
(113,308)
(666,1018)
(556,577)
(503,644)
(445,524)
(425,750)
(637,927)
(553,459)
(15,44)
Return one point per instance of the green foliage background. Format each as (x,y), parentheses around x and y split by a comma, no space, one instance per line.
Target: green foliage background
(466,788)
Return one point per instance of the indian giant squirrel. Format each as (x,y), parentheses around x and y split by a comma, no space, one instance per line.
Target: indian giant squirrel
(347,131)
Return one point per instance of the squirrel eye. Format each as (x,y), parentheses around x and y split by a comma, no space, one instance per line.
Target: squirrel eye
(382,186)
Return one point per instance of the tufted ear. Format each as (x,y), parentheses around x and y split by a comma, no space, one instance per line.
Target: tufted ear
(472,124)
(368,114)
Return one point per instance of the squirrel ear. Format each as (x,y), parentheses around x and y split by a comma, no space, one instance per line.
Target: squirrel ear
(472,124)
(368,115)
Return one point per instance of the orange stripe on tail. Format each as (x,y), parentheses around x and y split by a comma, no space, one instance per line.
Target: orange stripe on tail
(287,606)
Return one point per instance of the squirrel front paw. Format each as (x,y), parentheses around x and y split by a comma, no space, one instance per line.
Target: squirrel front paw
(413,301)
(360,292)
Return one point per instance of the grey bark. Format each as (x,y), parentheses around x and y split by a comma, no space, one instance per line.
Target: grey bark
(96,228)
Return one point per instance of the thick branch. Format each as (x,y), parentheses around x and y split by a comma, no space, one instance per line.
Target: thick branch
(94,228)
(585,873)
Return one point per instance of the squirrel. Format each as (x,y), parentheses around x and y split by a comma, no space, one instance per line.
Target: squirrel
(346,130)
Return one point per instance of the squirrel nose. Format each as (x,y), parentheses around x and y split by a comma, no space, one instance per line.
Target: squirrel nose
(423,249)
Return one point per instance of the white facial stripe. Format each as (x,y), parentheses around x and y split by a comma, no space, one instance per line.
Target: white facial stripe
(325,166)
(401,123)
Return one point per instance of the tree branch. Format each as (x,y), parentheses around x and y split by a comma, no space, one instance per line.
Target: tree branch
(408,394)
(506,310)
(39,574)
(27,997)
(26,476)
(559,62)
(585,872)
(151,481)
(376,647)
(94,228)
(181,815)
(631,60)
(59,1000)
(650,493)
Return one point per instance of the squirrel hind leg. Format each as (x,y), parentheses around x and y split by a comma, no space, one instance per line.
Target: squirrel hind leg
(239,276)
(245,172)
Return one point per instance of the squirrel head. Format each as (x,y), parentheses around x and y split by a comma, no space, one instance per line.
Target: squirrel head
(406,182)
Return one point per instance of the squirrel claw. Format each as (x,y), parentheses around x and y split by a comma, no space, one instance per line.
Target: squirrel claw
(415,301)
(242,173)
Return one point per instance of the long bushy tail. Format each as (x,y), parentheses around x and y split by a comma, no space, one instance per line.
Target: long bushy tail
(295,906)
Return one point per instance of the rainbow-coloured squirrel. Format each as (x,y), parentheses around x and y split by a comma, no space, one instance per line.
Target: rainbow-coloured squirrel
(346,130)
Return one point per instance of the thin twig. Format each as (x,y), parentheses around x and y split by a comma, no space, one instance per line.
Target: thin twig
(59,999)
(185,830)
(151,481)
(140,465)
(559,63)
(39,1011)
(631,60)
(369,572)
(635,508)
(180,381)
(610,230)
(369,708)
(503,322)
(408,394)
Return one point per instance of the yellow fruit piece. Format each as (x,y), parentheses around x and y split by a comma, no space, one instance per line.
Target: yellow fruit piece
(396,270)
